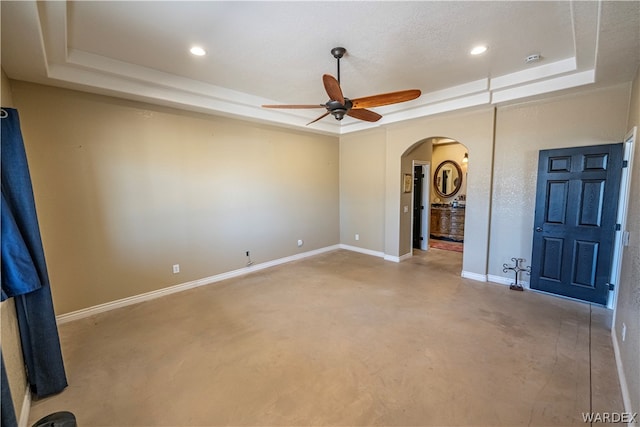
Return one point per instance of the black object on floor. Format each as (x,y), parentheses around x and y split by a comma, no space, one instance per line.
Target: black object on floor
(57,419)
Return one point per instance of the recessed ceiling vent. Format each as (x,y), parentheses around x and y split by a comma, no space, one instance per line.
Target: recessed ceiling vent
(532,58)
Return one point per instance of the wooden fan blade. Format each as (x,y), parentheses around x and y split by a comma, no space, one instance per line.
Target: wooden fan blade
(385,99)
(294,106)
(363,114)
(332,87)
(322,116)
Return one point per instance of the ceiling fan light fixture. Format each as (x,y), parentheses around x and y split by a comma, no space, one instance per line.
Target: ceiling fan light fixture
(478,50)
(197,51)
(339,113)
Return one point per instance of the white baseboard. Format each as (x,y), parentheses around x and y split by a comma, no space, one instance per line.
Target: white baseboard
(101,308)
(406,256)
(400,258)
(386,257)
(505,281)
(391,258)
(361,250)
(624,387)
(492,279)
(474,276)
(23,421)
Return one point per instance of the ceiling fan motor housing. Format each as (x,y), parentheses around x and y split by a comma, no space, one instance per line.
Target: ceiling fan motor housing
(337,109)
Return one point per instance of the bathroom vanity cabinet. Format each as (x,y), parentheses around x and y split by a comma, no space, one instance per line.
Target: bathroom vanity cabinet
(447,222)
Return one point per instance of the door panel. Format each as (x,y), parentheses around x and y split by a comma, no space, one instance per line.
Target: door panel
(557,202)
(591,200)
(585,256)
(552,260)
(576,203)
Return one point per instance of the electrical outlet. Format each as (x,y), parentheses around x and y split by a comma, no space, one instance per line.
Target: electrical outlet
(624,331)
(176,268)
(357,237)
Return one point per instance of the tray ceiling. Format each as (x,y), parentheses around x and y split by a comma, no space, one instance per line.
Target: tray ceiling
(276,52)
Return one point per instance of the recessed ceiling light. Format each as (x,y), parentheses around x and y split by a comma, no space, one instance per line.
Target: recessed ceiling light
(198,51)
(478,50)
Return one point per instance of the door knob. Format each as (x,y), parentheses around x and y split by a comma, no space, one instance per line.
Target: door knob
(538,229)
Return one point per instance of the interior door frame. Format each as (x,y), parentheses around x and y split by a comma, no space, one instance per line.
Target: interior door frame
(426,197)
(623,204)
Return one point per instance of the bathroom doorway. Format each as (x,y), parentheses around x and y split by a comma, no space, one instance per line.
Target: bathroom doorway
(448,194)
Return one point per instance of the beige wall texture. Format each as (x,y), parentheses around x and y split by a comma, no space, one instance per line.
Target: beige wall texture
(588,118)
(628,304)
(10,335)
(125,190)
(362,162)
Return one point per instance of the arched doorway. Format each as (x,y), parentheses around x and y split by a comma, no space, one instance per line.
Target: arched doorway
(475,129)
(437,167)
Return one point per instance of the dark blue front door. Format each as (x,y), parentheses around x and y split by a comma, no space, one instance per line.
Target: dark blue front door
(575,219)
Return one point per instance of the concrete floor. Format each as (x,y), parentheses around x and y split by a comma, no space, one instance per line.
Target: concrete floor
(341,339)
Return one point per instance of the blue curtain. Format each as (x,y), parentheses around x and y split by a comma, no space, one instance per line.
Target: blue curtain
(24,271)
(7,412)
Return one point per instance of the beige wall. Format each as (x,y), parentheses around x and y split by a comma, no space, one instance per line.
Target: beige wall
(10,335)
(362,163)
(628,304)
(125,190)
(588,118)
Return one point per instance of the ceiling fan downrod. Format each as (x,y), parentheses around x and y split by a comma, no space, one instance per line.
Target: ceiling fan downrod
(338,52)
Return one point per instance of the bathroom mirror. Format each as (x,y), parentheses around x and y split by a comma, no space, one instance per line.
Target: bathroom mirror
(448,178)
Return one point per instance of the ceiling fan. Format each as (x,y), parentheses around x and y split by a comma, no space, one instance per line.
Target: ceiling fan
(338,105)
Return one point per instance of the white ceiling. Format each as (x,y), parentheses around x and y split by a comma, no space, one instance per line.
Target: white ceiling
(276,52)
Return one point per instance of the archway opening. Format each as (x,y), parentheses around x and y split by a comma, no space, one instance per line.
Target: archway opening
(436,198)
